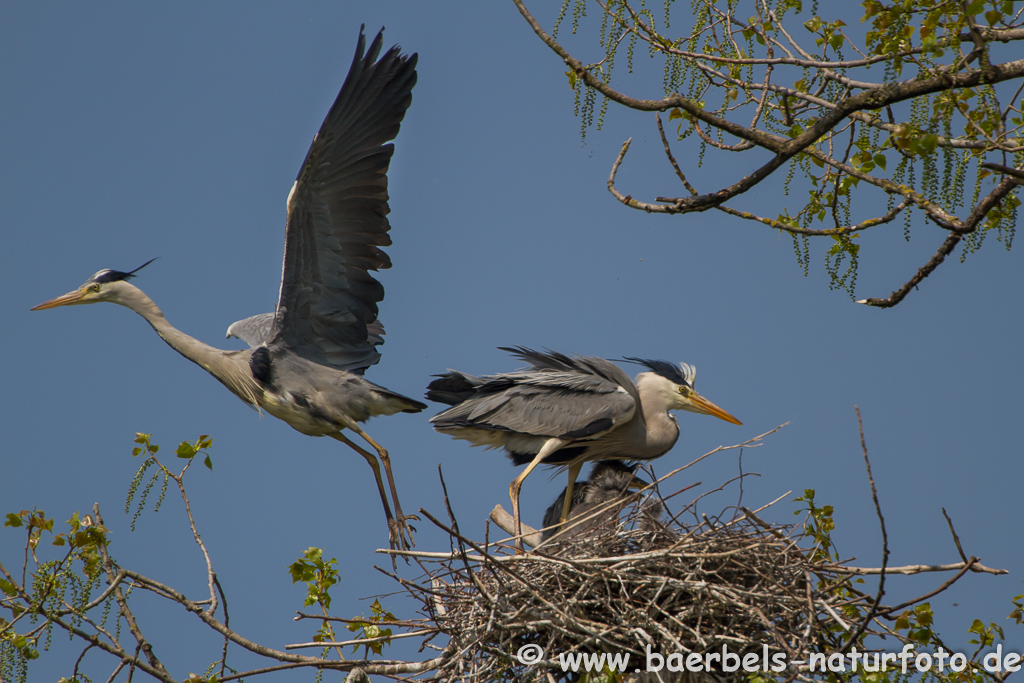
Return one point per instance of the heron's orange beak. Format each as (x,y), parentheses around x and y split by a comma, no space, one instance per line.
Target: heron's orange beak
(69,299)
(708,408)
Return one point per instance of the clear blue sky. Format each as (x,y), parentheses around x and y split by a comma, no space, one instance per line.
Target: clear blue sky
(132,131)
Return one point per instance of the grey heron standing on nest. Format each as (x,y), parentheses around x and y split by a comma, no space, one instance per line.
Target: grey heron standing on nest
(306,360)
(564,411)
(609,480)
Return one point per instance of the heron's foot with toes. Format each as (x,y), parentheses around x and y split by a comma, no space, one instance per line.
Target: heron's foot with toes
(400,532)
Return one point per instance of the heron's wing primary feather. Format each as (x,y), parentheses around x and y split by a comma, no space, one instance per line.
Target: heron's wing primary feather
(337,217)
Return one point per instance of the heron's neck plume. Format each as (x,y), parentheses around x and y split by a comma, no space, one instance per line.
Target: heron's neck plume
(221,364)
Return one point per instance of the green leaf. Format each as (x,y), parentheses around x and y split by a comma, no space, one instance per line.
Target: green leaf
(300,571)
(185,450)
(208,463)
(13,520)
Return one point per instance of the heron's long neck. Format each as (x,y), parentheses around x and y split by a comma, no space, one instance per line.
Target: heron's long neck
(217,362)
(662,429)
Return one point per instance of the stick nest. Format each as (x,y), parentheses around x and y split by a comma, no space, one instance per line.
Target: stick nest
(636,584)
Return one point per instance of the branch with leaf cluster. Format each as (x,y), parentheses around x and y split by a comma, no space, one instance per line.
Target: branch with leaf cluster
(942,132)
(77,592)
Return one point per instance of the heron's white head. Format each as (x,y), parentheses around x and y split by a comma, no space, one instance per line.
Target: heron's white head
(671,385)
(106,285)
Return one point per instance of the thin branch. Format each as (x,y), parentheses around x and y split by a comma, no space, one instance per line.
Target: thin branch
(956,539)
(930,594)
(363,641)
(948,245)
(915,569)
(122,603)
(855,636)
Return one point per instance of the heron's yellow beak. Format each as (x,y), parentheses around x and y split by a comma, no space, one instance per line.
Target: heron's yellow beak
(708,408)
(71,298)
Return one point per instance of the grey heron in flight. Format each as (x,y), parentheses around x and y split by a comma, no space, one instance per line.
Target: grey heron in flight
(306,360)
(564,411)
(609,480)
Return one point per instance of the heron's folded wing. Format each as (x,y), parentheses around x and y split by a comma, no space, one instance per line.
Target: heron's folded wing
(337,217)
(550,404)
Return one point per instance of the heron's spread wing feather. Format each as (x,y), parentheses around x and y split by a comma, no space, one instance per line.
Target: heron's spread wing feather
(337,217)
(258,329)
(564,398)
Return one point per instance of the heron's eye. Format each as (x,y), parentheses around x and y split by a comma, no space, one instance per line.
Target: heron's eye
(95,288)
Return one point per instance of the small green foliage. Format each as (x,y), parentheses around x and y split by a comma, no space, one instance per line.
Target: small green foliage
(371,628)
(1018,609)
(149,461)
(319,576)
(984,636)
(67,579)
(605,675)
(146,448)
(819,526)
(917,622)
(188,450)
(842,250)
(196,678)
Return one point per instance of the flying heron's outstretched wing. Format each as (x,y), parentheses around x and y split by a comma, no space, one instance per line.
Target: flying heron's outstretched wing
(257,330)
(560,396)
(337,217)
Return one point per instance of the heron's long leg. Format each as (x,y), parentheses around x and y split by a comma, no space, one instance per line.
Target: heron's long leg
(386,461)
(574,471)
(394,529)
(549,447)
